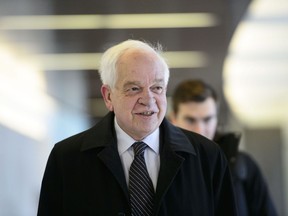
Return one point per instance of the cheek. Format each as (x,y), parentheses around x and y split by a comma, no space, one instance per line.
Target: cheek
(212,125)
(192,127)
(186,125)
(162,101)
(126,104)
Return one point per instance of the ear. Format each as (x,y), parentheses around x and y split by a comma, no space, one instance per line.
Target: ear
(106,94)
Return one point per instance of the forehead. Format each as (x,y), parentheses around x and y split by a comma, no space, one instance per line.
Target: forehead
(205,108)
(137,65)
(137,57)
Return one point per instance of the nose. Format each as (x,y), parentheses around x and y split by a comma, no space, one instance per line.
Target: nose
(199,128)
(146,98)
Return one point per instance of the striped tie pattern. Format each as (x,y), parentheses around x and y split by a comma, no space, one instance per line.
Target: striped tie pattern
(140,185)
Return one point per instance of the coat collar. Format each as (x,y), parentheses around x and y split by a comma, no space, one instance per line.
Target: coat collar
(103,134)
(176,138)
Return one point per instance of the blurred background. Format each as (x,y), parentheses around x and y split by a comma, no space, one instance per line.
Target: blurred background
(50,88)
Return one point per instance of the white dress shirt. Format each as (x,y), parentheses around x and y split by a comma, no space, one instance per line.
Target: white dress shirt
(151,154)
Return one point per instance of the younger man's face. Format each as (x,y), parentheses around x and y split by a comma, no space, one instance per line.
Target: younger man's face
(199,117)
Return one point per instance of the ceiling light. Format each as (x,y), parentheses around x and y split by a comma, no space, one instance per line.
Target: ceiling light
(113,21)
(90,61)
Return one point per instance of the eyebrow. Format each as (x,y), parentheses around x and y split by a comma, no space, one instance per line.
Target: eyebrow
(131,83)
(128,83)
(190,118)
(159,81)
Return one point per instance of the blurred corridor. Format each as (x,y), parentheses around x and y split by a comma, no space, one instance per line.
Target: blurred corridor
(50,88)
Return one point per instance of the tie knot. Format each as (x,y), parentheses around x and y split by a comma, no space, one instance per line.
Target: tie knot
(139,148)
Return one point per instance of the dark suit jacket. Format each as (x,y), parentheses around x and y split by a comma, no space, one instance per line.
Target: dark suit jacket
(84,176)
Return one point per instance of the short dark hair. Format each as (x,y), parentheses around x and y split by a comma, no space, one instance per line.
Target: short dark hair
(192,91)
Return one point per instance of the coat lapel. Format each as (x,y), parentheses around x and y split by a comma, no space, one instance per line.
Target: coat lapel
(111,159)
(103,136)
(170,164)
(173,142)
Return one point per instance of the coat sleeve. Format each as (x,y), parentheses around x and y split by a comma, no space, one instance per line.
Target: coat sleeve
(50,202)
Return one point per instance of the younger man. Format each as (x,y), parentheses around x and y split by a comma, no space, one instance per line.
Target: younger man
(195,108)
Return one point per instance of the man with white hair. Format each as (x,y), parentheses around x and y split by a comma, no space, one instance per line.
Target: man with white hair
(134,162)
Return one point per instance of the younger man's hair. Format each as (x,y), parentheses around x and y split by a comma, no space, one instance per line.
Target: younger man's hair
(192,91)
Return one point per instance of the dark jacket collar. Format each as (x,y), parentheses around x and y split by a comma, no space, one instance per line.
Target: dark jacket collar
(103,134)
(176,138)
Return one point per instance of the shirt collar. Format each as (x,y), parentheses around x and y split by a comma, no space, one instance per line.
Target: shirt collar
(125,141)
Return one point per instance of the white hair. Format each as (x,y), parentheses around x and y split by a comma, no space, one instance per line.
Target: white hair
(108,62)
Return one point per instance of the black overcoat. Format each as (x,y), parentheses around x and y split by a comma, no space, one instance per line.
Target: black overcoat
(84,176)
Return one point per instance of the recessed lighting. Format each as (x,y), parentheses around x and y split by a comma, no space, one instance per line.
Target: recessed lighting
(113,21)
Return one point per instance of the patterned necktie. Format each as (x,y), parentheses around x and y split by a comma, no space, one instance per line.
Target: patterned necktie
(140,185)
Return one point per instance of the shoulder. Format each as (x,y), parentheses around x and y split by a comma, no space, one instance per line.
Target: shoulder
(210,157)
(246,166)
(247,159)
(72,142)
(200,142)
(208,151)
(181,138)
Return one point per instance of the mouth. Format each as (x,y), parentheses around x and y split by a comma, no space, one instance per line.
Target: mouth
(147,113)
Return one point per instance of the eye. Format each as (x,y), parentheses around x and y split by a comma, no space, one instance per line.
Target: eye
(190,120)
(134,89)
(208,119)
(157,89)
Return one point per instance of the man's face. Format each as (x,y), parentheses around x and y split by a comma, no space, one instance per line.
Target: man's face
(139,97)
(199,117)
